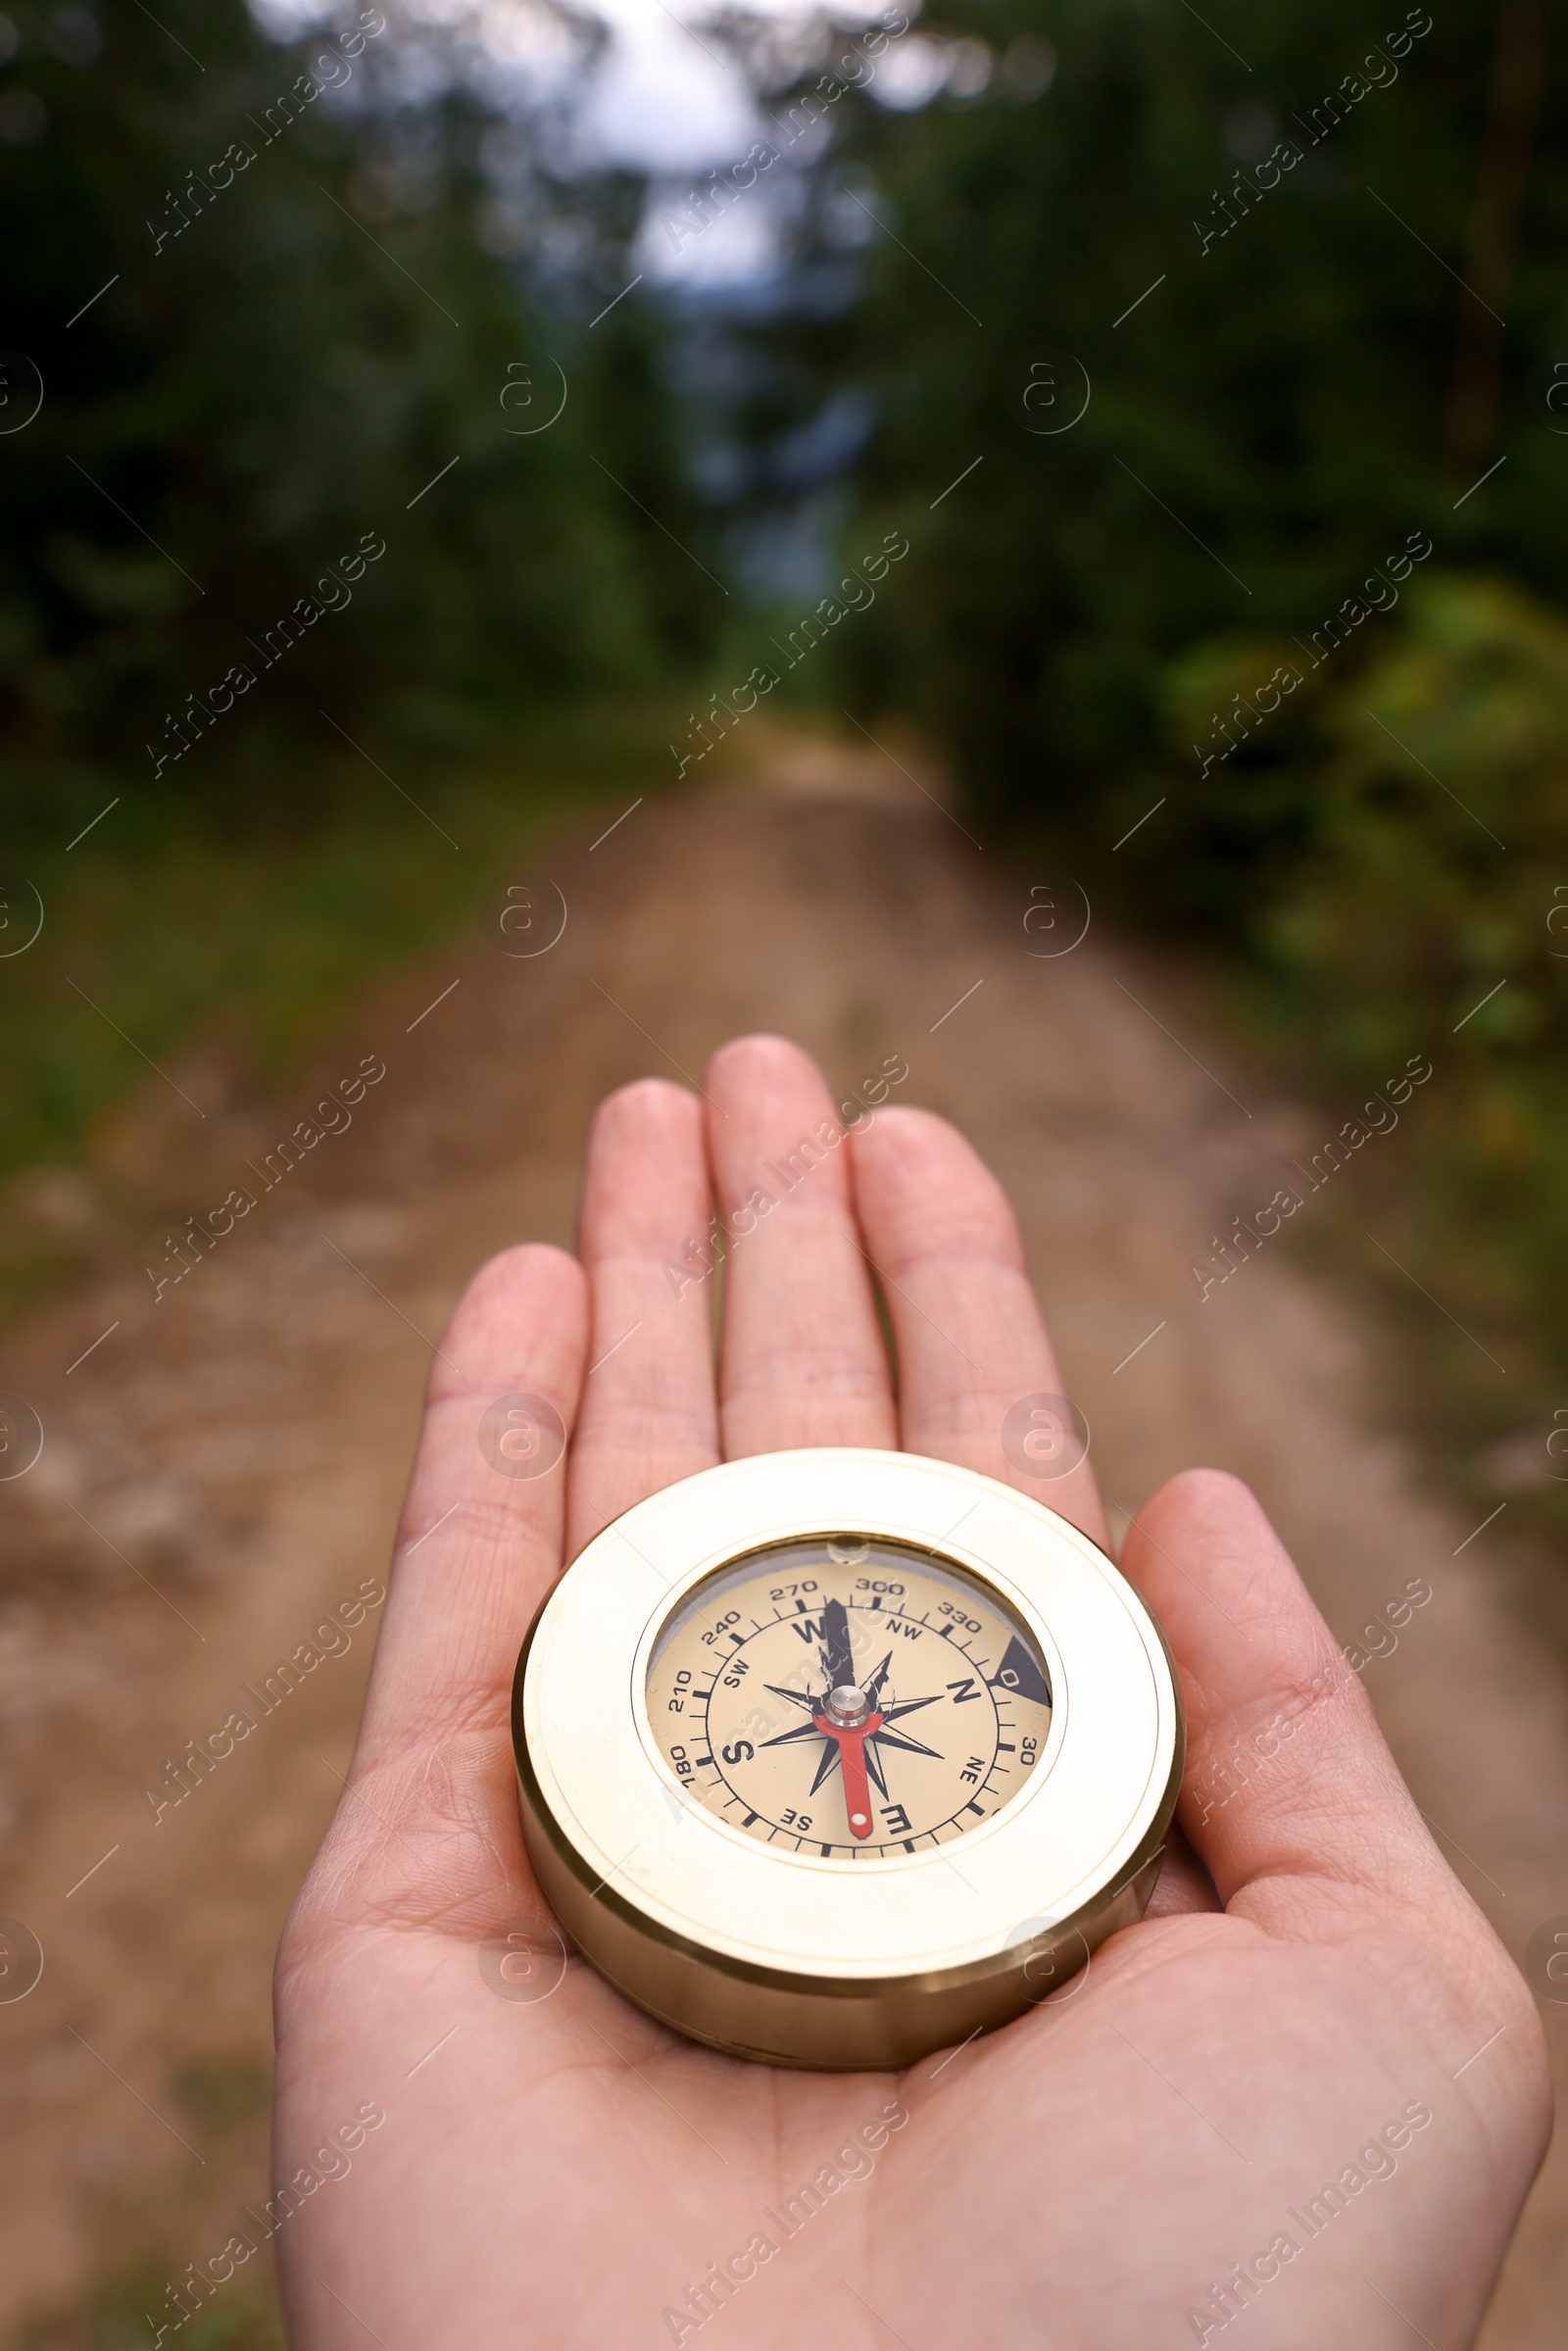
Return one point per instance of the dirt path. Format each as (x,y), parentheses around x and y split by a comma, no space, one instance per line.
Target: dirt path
(241,1443)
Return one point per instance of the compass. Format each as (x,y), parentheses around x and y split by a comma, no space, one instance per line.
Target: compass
(832,1758)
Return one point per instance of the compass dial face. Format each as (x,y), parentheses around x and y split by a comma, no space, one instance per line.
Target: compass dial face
(848,1698)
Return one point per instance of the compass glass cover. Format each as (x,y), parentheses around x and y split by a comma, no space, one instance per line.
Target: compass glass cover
(848,1697)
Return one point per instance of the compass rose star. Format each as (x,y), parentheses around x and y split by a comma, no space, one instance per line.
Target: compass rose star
(909,1747)
(849,1738)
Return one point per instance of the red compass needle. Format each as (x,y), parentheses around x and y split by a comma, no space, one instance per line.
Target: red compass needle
(852,1736)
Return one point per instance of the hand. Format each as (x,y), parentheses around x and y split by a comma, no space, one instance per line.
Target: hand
(1312,2003)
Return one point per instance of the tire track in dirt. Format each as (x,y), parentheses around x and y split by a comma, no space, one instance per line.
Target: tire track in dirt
(242,1445)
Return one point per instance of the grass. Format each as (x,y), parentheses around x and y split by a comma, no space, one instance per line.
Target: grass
(161,928)
(114,2317)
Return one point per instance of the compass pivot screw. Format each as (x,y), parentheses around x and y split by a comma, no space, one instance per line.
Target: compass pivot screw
(848,1704)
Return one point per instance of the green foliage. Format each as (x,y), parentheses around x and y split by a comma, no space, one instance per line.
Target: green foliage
(1432,910)
(277,334)
(1286,580)
(1267,423)
(1442,831)
(293,346)
(114,2317)
(266,943)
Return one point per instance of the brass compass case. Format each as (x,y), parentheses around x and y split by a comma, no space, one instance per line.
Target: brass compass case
(832,1758)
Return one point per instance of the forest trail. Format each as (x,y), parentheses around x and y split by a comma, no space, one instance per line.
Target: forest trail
(226,1465)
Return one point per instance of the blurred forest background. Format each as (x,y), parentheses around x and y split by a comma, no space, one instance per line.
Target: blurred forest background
(1215,370)
(392,456)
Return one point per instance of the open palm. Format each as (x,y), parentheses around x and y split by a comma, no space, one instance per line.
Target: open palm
(1312,2004)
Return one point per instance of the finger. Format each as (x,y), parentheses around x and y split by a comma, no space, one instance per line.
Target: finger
(649,1412)
(972,1348)
(479,1543)
(802,1360)
(1291,1798)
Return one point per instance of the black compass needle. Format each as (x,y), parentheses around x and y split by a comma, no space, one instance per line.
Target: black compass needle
(838,1653)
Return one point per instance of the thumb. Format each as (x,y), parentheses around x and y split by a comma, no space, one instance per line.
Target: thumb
(1291,1798)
